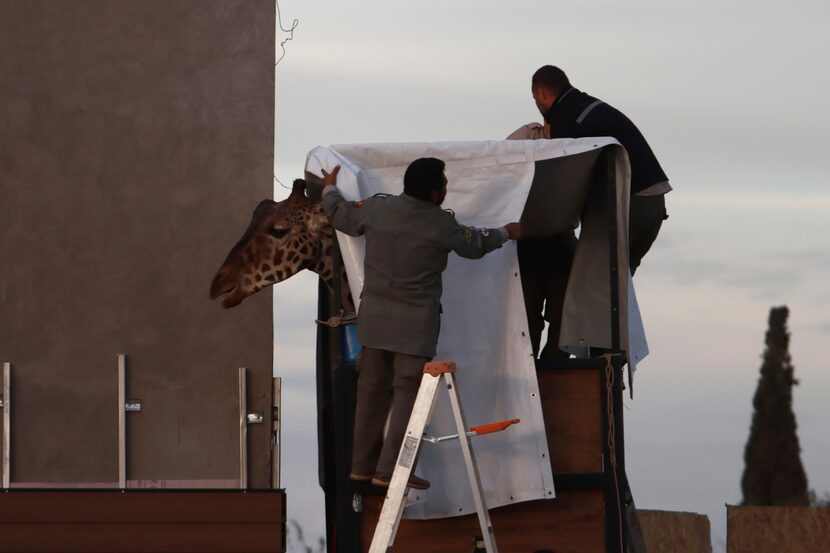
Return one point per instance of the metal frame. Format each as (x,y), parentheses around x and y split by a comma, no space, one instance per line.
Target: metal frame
(326,462)
(134,405)
(276,441)
(243,428)
(124,406)
(343,386)
(122,421)
(613,253)
(7,425)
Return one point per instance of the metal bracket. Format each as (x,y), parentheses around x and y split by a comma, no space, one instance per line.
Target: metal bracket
(255,418)
(132,406)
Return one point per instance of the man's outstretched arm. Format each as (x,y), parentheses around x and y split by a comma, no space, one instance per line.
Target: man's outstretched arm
(474,243)
(344,216)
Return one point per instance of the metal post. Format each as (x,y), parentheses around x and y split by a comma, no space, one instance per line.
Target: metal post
(122,421)
(7,424)
(276,415)
(613,251)
(243,428)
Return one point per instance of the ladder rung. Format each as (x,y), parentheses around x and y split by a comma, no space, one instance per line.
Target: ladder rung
(439,439)
(474,431)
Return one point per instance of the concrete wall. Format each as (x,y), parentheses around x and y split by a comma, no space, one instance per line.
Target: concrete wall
(135,139)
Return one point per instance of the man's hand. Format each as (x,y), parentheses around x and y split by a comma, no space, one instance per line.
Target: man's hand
(514,231)
(330,179)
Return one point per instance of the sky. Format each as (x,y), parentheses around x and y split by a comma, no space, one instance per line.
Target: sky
(730,96)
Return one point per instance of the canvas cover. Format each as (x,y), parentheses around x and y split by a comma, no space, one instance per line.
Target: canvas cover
(549,185)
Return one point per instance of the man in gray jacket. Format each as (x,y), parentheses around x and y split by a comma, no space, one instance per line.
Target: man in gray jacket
(408,239)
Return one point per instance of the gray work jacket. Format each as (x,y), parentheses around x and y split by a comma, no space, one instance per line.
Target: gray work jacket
(407,244)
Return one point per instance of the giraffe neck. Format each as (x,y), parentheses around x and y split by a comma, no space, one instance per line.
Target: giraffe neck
(325,268)
(319,224)
(325,264)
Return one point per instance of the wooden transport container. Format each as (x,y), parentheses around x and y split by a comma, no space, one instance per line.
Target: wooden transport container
(582,407)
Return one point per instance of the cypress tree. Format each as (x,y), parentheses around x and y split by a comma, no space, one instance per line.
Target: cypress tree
(773,473)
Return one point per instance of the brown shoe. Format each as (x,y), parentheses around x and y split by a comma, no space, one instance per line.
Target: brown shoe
(360,477)
(382,479)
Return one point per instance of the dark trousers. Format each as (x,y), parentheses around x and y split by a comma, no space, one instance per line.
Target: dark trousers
(545,264)
(645,217)
(384,379)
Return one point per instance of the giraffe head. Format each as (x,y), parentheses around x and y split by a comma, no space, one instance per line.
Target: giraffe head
(282,239)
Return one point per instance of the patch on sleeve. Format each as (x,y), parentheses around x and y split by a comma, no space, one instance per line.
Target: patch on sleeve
(484,232)
(359,204)
(468,233)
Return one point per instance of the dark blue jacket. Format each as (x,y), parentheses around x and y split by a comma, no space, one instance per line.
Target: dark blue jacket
(570,117)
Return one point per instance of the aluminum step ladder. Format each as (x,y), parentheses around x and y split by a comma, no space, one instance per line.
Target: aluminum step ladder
(393,505)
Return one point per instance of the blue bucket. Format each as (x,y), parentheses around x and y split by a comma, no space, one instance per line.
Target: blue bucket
(351,347)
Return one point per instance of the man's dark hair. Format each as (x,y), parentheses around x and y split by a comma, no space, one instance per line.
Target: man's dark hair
(422,177)
(551,79)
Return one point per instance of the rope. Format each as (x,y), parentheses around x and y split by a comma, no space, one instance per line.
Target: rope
(612,438)
(290,30)
(290,36)
(341,319)
(281,184)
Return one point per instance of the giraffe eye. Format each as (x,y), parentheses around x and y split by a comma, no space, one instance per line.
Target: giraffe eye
(278,232)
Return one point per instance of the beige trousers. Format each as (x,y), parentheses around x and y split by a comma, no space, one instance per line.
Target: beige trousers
(385,379)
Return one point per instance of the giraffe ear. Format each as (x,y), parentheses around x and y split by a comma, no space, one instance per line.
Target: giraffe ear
(314,187)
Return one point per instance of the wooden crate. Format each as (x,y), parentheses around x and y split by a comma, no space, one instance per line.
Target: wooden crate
(574,522)
(571,406)
(582,518)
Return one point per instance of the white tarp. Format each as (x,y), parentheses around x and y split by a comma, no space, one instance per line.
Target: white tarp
(484,325)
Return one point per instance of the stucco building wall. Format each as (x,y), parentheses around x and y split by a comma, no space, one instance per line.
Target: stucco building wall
(135,140)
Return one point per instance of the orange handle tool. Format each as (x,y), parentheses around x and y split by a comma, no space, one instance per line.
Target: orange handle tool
(493,426)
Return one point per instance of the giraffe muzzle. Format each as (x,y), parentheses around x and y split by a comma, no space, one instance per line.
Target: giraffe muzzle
(221,285)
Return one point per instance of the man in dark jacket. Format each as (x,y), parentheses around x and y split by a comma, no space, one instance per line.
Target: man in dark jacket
(571,113)
(408,239)
(546,262)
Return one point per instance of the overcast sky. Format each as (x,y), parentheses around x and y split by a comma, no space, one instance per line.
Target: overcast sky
(730,96)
